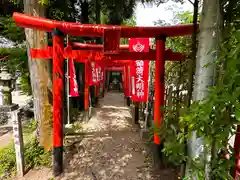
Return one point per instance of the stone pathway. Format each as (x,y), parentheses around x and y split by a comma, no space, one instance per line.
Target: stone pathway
(108,148)
(111,148)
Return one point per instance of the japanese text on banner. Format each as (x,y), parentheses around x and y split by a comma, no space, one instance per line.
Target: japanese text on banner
(139,70)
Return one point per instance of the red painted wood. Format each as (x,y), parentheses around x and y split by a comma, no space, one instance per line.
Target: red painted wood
(114,68)
(159,87)
(82,55)
(111,38)
(127,93)
(58,90)
(95,46)
(86,87)
(93,30)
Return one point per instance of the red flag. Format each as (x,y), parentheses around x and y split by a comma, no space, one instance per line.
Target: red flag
(73,86)
(72,79)
(96,74)
(139,70)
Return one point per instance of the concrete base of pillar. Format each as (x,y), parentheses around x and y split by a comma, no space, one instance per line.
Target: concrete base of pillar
(137,113)
(134,111)
(96,101)
(128,101)
(86,116)
(132,107)
(156,156)
(125,101)
(91,111)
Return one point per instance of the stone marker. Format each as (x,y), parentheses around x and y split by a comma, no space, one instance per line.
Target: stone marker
(18,142)
(11,110)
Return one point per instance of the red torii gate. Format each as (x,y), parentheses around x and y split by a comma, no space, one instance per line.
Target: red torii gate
(111,35)
(95,54)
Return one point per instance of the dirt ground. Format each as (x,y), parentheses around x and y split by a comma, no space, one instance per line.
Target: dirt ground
(110,148)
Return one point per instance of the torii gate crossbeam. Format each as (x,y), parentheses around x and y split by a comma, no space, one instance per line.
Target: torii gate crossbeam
(111,35)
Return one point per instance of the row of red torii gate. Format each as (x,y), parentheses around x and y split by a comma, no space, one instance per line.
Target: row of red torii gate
(132,60)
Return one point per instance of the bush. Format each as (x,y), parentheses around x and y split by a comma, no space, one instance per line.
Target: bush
(26,83)
(7,161)
(34,155)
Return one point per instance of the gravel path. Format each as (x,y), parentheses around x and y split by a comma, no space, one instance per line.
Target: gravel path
(111,148)
(108,149)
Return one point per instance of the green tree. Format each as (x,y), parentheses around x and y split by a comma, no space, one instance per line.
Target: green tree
(214,116)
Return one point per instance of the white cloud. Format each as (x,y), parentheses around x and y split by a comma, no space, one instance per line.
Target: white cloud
(145,16)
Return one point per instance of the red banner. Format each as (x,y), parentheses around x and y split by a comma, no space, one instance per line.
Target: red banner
(139,70)
(72,79)
(96,74)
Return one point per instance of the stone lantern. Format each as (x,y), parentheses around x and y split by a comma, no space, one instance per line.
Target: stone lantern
(6,89)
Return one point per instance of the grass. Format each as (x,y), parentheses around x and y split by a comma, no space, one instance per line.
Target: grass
(34,155)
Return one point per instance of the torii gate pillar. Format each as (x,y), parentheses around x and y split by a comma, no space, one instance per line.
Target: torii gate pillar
(58,94)
(86,93)
(159,85)
(159,98)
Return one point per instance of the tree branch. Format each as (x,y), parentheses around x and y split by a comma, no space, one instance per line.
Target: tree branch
(190,2)
(4,58)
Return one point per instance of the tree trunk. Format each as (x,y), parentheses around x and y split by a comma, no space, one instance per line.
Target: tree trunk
(191,68)
(84,12)
(98,18)
(40,79)
(205,76)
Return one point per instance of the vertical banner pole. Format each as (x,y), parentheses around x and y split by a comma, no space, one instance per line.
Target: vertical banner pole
(146,110)
(68,91)
(129,82)
(58,92)
(86,91)
(159,86)
(103,83)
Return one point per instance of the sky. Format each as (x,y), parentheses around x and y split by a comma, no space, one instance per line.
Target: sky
(145,16)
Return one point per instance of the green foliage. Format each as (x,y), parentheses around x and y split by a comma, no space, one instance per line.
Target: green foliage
(175,75)
(7,161)
(36,156)
(128,22)
(117,11)
(25,83)
(30,127)
(177,44)
(215,118)
(16,59)
(10,30)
